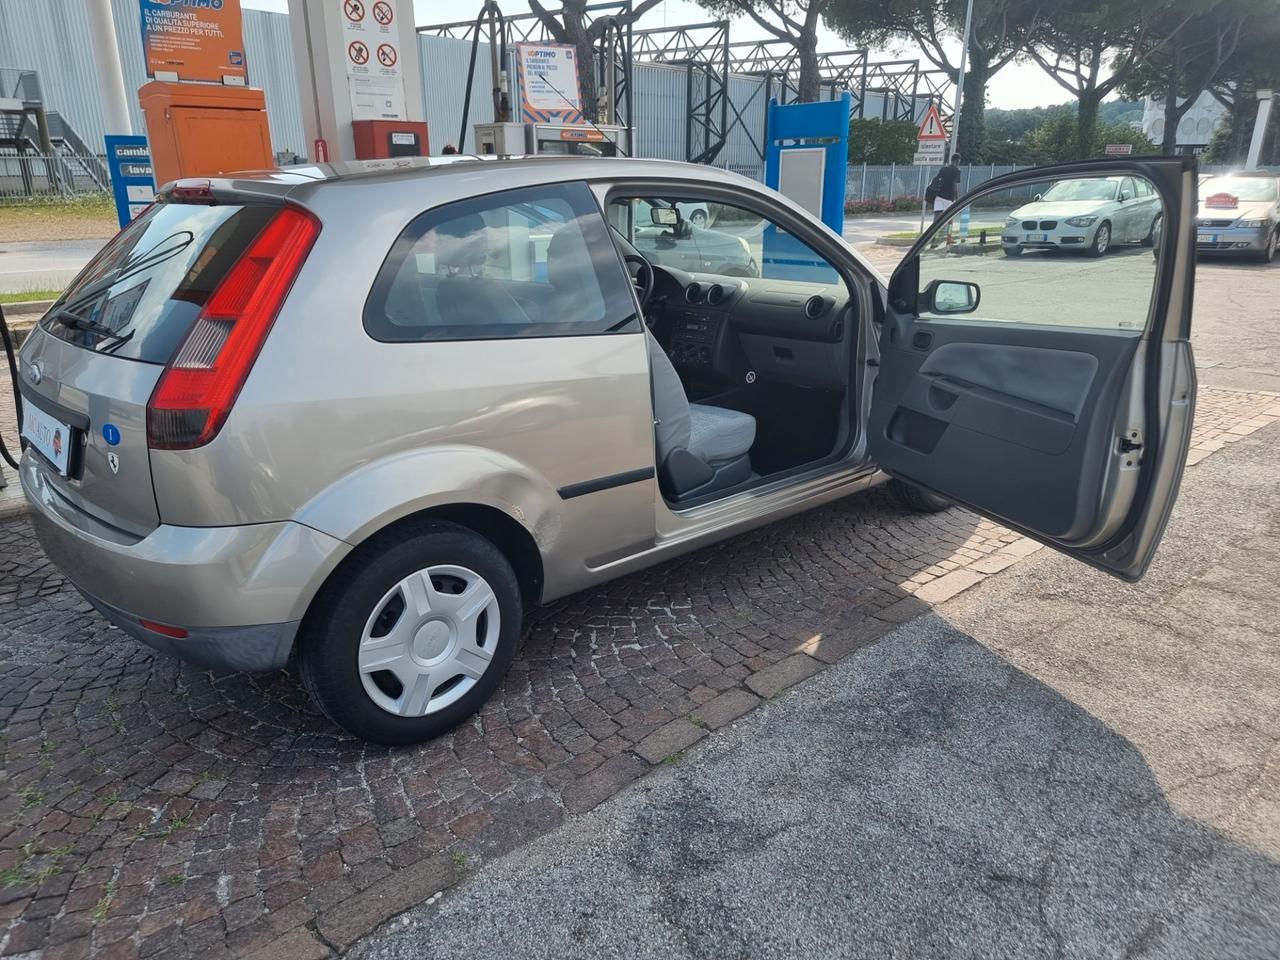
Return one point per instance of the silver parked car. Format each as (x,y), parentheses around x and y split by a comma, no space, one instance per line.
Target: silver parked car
(1090,214)
(358,416)
(1240,214)
(666,236)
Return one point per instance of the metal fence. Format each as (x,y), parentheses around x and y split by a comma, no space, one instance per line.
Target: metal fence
(34,178)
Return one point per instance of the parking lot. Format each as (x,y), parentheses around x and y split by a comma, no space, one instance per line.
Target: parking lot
(1005,754)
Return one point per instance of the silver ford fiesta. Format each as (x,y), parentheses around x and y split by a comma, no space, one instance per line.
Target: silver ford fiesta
(357,417)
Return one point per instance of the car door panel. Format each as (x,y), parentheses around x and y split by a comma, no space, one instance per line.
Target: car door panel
(1072,433)
(974,394)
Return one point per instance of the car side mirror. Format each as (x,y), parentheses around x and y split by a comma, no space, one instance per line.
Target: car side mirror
(664,216)
(950,296)
(1123,197)
(1037,197)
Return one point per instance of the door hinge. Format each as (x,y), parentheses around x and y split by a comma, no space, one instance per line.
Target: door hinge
(1129,442)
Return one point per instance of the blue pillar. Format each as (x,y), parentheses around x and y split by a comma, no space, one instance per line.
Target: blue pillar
(808,126)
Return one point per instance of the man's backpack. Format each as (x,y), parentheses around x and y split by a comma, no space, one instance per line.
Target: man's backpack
(935,187)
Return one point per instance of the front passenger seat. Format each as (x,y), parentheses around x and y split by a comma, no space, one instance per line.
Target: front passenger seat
(701,448)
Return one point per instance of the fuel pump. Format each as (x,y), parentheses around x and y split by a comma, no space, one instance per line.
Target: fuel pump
(490,16)
(550,118)
(11,353)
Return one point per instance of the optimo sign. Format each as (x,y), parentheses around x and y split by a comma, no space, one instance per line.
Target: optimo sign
(193,40)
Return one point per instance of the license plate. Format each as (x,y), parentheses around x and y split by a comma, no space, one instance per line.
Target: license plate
(1206,238)
(49,435)
(1037,238)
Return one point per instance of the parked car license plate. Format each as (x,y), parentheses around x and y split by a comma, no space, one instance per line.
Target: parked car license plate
(1206,238)
(49,435)
(1037,238)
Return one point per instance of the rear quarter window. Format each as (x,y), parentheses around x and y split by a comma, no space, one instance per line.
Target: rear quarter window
(533,262)
(140,295)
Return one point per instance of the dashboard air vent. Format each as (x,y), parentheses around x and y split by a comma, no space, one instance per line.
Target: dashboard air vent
(815,307)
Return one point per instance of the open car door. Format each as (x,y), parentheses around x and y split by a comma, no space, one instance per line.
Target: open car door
(1046,385)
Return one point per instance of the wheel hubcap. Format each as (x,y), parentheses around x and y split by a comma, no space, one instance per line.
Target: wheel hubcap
(1104,238)
(429,640)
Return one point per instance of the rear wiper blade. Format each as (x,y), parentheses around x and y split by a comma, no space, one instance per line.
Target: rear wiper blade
(83,323)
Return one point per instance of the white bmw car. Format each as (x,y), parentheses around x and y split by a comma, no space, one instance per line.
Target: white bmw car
(1089,214)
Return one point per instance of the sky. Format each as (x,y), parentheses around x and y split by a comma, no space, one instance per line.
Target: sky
(1017,85)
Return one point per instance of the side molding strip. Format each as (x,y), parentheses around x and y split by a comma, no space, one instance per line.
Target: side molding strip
(605,483)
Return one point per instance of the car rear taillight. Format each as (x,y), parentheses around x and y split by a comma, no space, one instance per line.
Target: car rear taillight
(201,382)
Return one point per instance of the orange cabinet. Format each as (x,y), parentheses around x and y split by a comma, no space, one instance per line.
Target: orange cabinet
(205,130)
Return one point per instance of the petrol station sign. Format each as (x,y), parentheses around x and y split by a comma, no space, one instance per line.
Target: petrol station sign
(548,77)
(194,40)
(372,50)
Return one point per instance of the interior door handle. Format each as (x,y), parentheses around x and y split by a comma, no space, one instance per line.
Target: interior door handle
(922,340)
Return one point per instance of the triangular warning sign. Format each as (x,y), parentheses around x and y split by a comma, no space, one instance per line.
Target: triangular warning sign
(931,127)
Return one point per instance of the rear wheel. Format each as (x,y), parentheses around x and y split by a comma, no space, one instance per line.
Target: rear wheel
(914,498)
(413,634)
(1101,239)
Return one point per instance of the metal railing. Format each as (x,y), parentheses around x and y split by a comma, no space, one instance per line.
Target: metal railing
(35,178)
(21,85)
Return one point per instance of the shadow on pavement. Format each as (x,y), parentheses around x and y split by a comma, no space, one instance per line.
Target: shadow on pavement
(929,800)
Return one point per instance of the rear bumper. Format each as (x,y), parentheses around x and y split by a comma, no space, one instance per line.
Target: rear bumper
(239,592)
(253,648)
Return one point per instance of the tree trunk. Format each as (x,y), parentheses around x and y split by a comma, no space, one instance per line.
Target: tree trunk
(576,33)
(1172,115)
(810,79)
(1241,118)
(1086,123)
(973,111)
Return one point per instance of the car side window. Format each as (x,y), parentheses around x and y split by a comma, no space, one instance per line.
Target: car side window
(717,238)
(1067,255)
(533,262)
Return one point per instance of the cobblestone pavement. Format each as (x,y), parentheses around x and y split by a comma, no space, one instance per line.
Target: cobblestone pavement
(148,808)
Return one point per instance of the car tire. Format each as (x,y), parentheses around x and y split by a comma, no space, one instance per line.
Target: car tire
(1103,233)
(1269,251)
(1012,251)
(699,219)
(370,592)
(1150,239)
(916,499)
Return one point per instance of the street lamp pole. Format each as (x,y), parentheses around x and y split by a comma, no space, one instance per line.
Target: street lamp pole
(964,57)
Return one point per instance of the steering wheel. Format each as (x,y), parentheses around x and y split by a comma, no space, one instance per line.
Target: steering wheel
(642,278)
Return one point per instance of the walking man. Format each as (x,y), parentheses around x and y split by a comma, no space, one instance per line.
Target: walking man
(946,187)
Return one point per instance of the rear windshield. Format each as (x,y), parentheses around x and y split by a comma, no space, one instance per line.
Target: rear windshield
(140,295)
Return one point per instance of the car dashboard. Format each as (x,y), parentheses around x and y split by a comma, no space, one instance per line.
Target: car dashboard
(721,331)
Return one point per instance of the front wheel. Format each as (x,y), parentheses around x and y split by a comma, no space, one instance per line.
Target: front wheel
(1101,239)
(1013,251)
(1273,244)
(412,634)
(1150,239)
(914,498)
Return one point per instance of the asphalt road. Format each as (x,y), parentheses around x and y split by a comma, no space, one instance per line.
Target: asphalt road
(52,264)
(1053,764)
(43,265)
